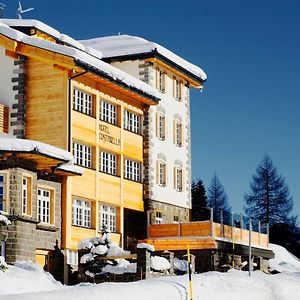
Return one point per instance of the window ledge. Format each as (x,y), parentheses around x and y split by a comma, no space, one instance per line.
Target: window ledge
(47,227)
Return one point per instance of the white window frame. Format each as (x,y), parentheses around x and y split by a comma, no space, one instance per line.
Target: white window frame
(158,217)
(72,257)
(3,192)
(178,133)
(44,205)
(82,155)
(108,163)
(132,122)
(81,213)
(107,218)
(132,170)
(162,173)
(108,112)
(83,102)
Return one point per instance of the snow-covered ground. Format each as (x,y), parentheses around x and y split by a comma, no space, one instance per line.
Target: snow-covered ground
(27,281)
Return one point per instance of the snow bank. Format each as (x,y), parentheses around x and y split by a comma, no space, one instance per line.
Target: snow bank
(26,277)
(284,261)
(159,263)
(146,246)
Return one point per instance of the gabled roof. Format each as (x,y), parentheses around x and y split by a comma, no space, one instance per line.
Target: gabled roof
(84,57)
(125,47)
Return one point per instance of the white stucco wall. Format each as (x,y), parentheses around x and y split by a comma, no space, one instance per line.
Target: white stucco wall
(7,95)
(167,194)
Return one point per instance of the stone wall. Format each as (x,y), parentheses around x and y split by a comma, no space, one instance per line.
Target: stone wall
(26,234)
(168,211)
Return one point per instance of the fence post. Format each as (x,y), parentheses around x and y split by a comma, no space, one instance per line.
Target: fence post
(179,229)
(241,228)
(268,233)
(211,222)
(250,258)
(259,233)
(221,217)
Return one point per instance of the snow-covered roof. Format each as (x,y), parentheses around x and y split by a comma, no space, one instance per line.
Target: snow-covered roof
(23,145)
(127,45)
(84,58)
(30,146)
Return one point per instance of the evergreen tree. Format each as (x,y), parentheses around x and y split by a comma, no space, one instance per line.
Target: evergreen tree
(217,199)
(199,200)
(269,200)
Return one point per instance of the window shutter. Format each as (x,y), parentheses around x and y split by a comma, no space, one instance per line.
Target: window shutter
(157,124)
(164,80)
(182,179)
(174,87)
(166,174)
(181,90)
(157,79)
(174,131)
(166,128)
(175,178)
(181,134)
(157,171)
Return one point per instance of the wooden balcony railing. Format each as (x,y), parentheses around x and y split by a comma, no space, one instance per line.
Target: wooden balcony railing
(208,229)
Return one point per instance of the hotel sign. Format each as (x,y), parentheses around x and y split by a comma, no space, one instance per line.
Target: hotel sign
(106,137)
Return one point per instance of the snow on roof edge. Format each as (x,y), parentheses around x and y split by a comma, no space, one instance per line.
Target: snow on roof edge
(111,71)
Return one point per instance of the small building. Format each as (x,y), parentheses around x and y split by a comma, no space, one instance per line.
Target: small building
(31,174)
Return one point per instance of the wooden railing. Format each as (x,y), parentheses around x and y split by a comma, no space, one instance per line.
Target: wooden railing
(208,229)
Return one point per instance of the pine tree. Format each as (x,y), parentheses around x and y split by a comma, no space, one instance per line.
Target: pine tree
(199,200)
(218,200)
(269,200)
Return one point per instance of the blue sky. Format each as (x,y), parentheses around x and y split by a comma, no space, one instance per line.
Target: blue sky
(250,50)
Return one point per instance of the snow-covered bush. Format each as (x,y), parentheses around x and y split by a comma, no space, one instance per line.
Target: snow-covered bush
(3,221)
(101,247)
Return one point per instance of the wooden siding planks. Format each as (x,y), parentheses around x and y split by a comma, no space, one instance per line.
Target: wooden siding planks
(46,104)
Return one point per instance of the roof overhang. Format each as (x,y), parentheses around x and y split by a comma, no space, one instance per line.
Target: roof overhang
(155,56)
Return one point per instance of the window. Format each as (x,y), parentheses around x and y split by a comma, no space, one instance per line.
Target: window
(83,102)
(2,192)
(132,121)
(26,195)
(81,213)
(161,126)
(108,163)
(132,170)
(175,219)
(178,179)
(160,81)
(107,218)
(44,206)
(158,217)
(108,112)
(178,133)
(72,257)
(82,155)
(161,173)
(177,89)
